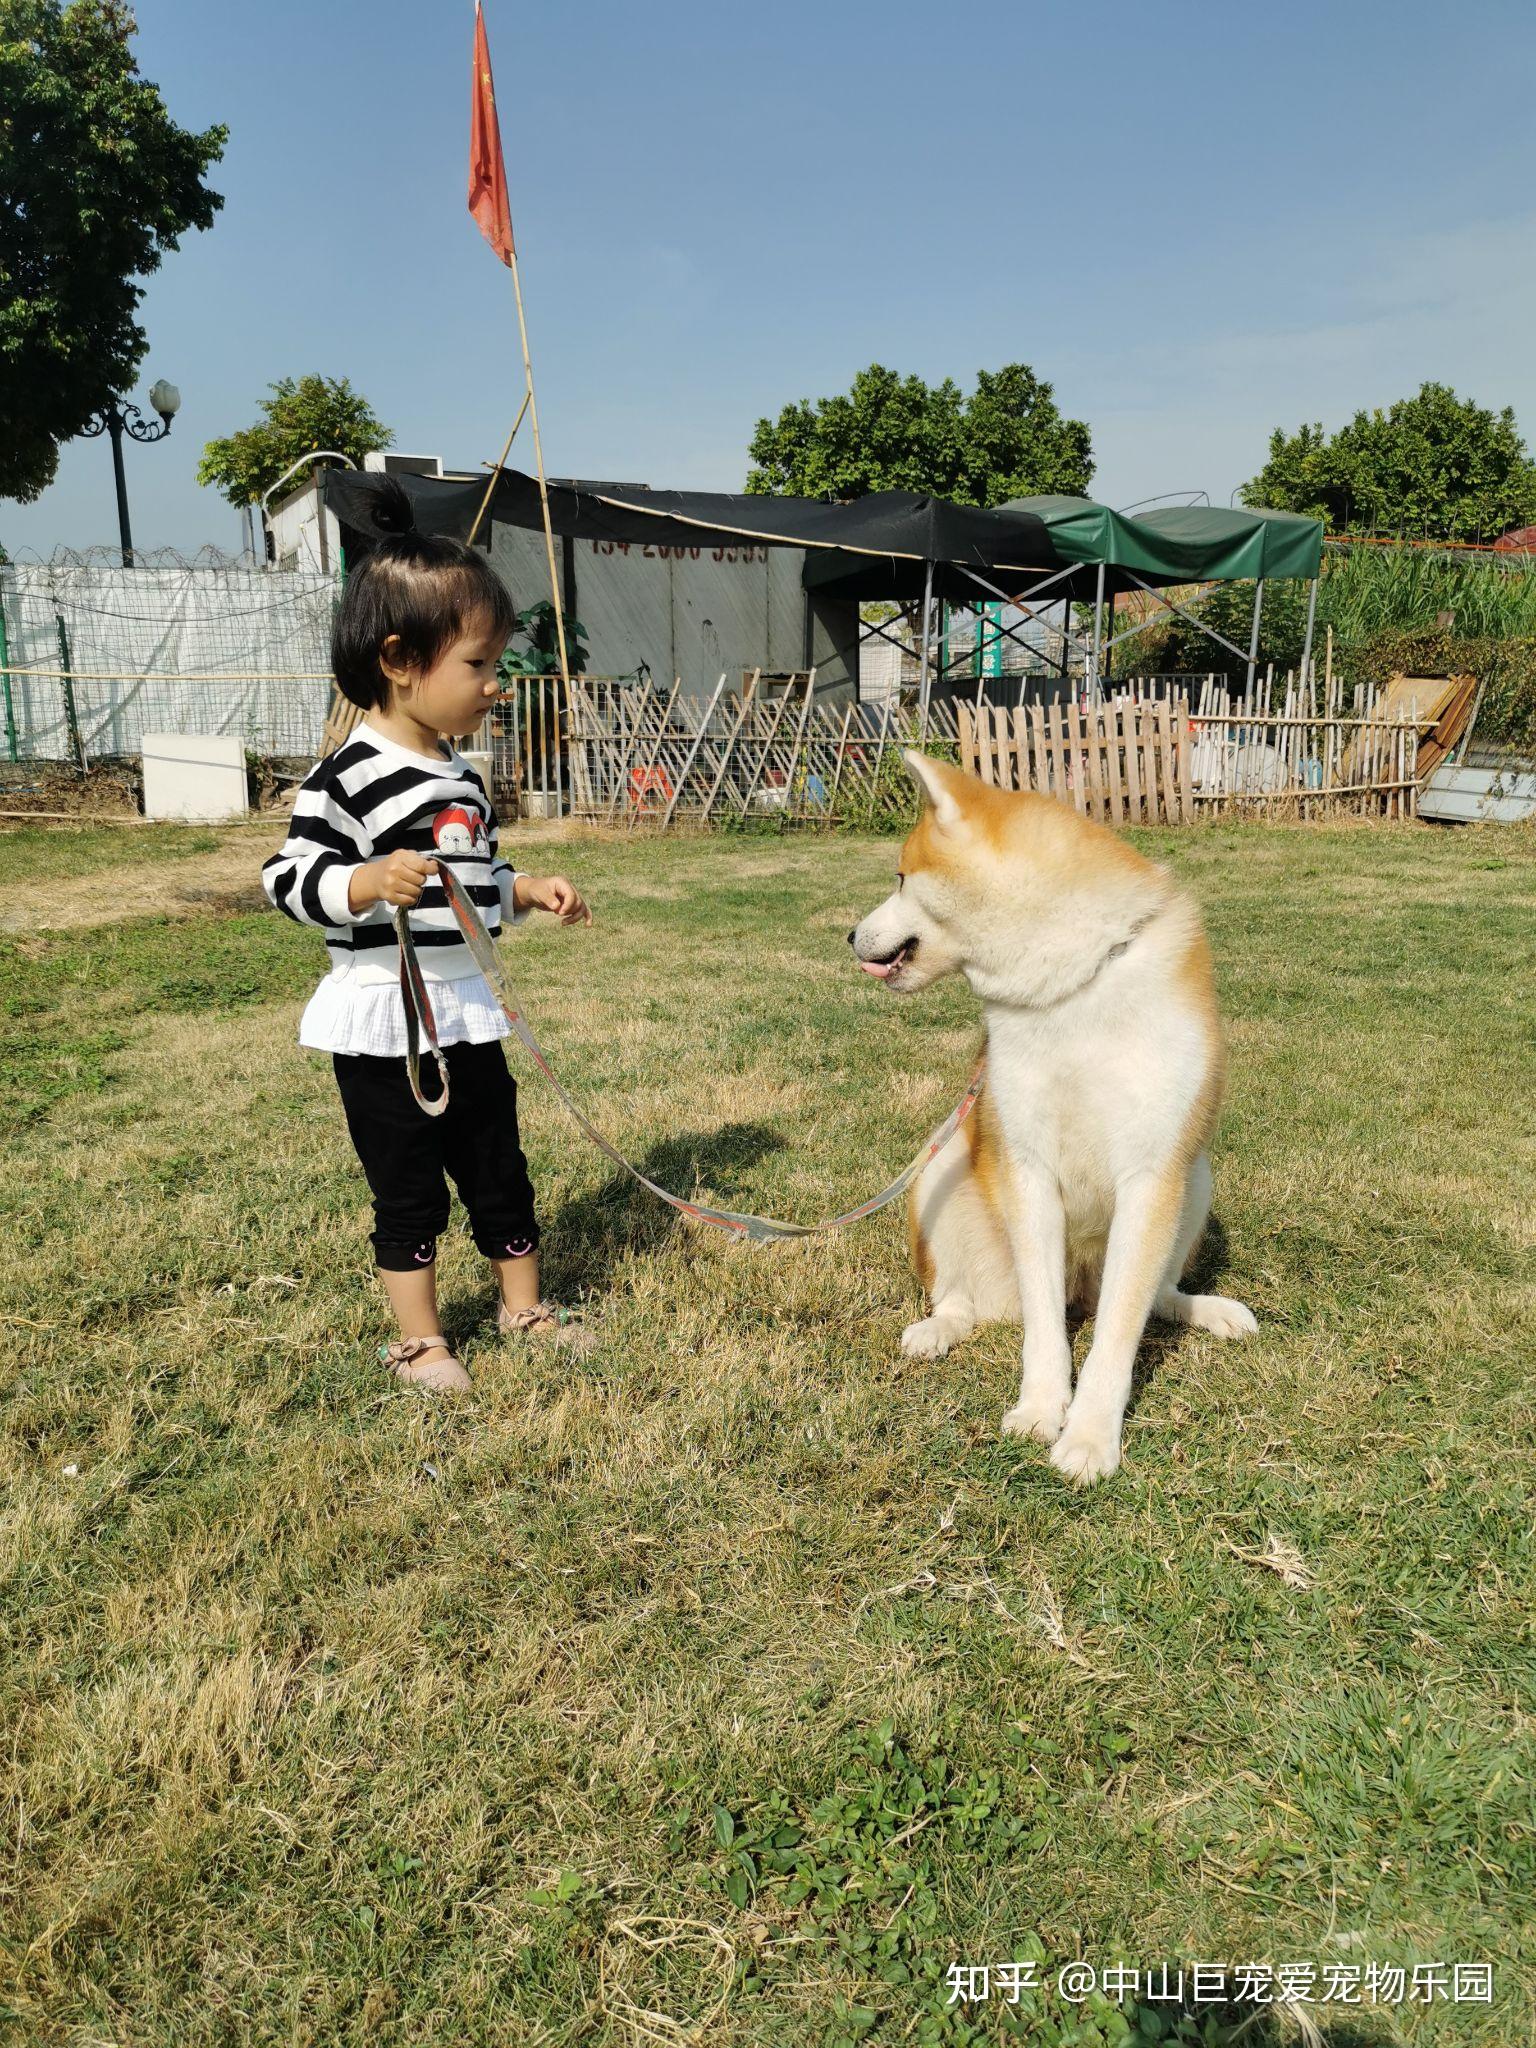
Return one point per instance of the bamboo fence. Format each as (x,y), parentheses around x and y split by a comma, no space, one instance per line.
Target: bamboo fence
(637,754)
(1286,750)
(1292,747)
(632,753)
(1124,762)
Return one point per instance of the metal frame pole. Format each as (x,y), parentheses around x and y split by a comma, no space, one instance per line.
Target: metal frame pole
(5,676)
(1179,612)
(923,678)
(1098,635)
(124,530)
(1253,642)
(1018,604)
(1109,638)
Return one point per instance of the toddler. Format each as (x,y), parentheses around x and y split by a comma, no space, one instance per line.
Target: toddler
(421,626)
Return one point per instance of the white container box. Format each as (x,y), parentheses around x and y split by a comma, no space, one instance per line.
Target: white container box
(198,777)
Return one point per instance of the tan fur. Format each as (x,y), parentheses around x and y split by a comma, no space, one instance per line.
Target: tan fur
(1083,1173)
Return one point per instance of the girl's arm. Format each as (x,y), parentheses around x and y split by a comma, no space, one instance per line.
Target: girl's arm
(310,876)
(503,874)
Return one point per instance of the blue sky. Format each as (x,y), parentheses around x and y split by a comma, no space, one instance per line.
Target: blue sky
(1197,221)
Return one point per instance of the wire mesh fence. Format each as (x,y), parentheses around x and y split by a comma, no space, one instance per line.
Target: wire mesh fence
(93,655)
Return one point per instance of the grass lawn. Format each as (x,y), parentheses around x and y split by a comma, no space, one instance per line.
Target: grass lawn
(734,1683)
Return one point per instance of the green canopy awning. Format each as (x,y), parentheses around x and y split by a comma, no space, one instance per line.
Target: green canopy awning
(1180,543)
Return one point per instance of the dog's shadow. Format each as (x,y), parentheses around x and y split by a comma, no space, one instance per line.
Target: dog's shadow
(1161,1340)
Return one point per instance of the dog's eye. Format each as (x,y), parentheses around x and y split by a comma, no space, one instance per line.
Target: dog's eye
(900,878)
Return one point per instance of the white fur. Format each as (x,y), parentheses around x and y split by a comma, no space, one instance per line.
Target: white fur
(1101,1047)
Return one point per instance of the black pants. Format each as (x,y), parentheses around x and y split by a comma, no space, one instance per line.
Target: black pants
(405,1153)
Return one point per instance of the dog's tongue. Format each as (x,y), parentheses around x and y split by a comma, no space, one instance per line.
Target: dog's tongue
(880,967)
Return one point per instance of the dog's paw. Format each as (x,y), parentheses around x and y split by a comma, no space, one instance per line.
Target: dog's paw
(1084,1453)
(1039,1416)
(1221,1317)
(930,1338)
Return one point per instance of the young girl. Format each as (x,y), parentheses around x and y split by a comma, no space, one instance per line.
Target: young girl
(421,625)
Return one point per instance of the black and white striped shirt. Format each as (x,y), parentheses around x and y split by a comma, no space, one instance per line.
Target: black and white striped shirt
(367,800)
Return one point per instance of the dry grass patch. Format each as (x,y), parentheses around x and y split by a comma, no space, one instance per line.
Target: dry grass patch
(730,1684)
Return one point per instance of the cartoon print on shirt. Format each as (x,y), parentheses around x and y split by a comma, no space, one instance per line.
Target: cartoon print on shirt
(459,830)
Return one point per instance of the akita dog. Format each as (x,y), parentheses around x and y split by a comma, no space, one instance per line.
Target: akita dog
(1082,1174)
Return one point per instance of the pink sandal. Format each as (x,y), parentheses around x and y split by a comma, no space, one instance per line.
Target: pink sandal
(546,1322)
(443,1375)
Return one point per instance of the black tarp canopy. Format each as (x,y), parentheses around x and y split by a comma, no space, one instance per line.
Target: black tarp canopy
(883,545)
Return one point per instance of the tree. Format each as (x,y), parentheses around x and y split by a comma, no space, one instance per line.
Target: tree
(1433,466)
(1007,440)
(97,182)
(302,415)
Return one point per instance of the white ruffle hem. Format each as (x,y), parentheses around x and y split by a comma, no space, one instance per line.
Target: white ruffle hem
(344,1015)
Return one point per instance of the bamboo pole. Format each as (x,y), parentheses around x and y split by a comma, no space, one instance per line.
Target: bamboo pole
(762,758)
(650,767)
(94,818)
(692,754)
(838,759)
(87,675)
(501,463)
(676,738)
(794,752)
(538,456)
(725,758)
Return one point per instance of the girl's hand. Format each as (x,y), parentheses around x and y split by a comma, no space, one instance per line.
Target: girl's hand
(555,894)
(399,879)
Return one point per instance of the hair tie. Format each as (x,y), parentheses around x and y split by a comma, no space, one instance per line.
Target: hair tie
(393,513)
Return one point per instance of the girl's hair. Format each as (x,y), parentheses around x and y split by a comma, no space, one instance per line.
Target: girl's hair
(419,588)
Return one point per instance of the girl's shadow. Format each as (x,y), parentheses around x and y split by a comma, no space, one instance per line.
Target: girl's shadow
(591,1236)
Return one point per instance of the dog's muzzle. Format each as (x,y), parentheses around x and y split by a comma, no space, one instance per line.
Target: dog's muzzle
(884,964)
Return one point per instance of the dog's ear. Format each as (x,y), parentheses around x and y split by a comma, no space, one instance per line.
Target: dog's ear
(936,780)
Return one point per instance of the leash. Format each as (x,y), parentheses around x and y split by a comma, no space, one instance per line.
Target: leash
(420,1023)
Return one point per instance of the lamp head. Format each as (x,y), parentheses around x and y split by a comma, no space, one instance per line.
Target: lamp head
(166,400)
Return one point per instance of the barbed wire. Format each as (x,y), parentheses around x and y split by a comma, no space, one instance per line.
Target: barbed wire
(109,555)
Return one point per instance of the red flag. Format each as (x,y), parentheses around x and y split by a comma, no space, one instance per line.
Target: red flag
(487,171)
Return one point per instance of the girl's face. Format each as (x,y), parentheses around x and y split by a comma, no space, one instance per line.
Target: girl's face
(453,695)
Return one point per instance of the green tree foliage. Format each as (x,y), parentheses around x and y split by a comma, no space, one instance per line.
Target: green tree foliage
(893,433)
(1431,466)
(1367,594)
(302,415)
(97,182)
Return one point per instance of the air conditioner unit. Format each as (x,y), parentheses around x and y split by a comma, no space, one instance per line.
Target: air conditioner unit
(391,464)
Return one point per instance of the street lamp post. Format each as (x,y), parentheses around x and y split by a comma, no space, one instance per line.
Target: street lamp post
(118,419)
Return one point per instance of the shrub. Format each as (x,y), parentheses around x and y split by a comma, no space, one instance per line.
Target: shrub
(1505,668)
